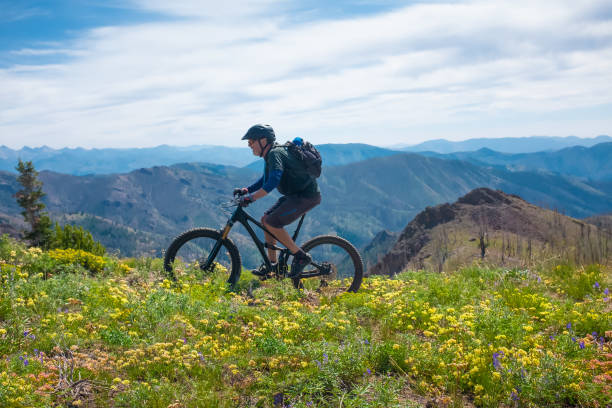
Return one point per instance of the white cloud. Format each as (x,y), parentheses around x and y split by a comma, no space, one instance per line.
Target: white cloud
(411,73)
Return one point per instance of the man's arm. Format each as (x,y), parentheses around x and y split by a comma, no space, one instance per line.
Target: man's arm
(255,186)
(271,183)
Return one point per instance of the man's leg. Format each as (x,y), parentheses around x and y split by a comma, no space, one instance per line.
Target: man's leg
(289,210)
(272,253)
(282,235)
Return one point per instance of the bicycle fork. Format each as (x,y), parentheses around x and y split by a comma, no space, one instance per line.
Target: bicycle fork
(215,250)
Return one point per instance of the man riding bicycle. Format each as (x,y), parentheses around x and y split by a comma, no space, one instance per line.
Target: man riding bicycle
(300,193)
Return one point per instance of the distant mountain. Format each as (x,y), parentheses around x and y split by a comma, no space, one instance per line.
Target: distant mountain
(507,144)
(359,199)
(589,163)
(81,161)
(341,154)
(493,227)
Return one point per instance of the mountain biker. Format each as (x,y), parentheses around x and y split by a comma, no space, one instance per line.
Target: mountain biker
(300,193)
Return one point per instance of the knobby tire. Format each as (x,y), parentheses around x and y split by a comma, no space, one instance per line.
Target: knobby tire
(353,262)
(203,233)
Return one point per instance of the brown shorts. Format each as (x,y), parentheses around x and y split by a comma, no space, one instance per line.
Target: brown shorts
(289,208)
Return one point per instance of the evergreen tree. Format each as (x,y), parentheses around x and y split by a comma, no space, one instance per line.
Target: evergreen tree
(29,198)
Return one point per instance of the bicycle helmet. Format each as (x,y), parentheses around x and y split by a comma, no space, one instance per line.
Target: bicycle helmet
(260,131)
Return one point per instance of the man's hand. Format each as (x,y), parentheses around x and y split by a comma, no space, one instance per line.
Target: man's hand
(245,200)
(241,191)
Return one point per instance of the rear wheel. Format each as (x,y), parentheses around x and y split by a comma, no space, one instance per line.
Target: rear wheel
(336,262)
(188,253)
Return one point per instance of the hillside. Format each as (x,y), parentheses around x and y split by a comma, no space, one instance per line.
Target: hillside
(602,221)
(589,163)
(512,232)
(508,144)
(382,243)
(78,330)
(11,225)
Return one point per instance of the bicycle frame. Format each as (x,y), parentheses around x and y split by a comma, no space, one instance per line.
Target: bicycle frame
(242,217)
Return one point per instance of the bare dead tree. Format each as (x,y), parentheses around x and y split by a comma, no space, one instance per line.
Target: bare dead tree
(483,236)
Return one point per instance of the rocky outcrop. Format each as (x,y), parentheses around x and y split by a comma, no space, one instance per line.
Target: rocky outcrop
(460,229)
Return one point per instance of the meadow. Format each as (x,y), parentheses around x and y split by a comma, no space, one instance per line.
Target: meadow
(81,330)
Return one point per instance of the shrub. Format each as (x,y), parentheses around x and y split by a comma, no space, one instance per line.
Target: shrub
(69,237)
(87,260)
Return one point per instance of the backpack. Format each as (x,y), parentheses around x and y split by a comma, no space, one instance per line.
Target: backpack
(307,154)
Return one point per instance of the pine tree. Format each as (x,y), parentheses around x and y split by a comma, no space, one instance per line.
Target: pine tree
(29,198)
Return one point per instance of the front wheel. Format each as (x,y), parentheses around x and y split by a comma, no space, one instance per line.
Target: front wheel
(189,253)
(336,263)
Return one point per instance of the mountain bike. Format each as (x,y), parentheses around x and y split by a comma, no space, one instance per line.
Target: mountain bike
(204,250)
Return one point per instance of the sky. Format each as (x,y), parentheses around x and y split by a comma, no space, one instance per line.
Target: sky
(141,73)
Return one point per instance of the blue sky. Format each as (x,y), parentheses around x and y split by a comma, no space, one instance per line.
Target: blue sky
(139,73)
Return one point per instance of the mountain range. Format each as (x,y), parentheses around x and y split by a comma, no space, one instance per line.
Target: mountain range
(589,163)
(530,144)
(81,161)
(140,211)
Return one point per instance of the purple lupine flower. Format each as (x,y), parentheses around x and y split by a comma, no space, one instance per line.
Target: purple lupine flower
(552,337)
(496,362)
(368,371)
(514,396)
(184,340)
(606,291)
(574,339)
(26,362)
(596,285)
(594,334)
(581,344)
(569,326)
(325,358)
(365,341)
(318,363)
(279,399)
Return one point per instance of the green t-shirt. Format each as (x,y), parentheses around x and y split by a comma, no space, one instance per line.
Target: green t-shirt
(295,180)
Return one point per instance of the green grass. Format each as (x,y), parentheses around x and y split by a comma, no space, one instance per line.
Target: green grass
(124,336)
